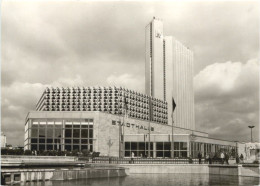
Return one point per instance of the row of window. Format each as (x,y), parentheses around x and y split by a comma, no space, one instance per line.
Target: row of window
(159,145)
(58,140)
(163,154)
(82,122)
(67,147)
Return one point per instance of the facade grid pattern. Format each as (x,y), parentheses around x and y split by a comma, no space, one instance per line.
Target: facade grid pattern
(110,100)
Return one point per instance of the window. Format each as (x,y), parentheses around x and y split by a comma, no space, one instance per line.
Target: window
(159,153)
(34,132)
(68,133)
(34,147)
(41,147)
(159,146)
(49,147)
(41,140)
(127,145)
(167,154)
(57,133)
(42,132)
(133,145)
(183,154)
(49,131)
(84,133)
(68,147)
(76,147)
(84,141)
(34,140)
(84,147)
(141,146)
(176,146)
(183,146)
(176,154)
(76,133)
(90,133)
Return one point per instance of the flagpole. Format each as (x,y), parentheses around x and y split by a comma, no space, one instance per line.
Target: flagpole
(123,133)
(172,142)
(124,110)
(149,140)
(120,129)
(172,138)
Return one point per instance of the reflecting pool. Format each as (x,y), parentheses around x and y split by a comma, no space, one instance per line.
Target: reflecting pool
(156,180)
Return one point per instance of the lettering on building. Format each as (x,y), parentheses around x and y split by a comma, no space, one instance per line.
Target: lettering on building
(131,125)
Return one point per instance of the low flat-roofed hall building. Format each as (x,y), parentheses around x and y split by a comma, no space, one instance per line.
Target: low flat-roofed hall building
(100,130)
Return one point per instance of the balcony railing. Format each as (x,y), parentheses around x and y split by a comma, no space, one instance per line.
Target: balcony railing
(115,160)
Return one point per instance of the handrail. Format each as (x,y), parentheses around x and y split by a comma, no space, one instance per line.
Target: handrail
(115,160)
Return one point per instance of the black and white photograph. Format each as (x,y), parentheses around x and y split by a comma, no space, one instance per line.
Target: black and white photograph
(130,93)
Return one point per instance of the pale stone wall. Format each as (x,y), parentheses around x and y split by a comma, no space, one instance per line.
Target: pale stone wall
(107,132)
(28,175)
(166,168)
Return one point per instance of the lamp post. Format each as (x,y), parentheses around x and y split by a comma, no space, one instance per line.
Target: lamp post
(251,127)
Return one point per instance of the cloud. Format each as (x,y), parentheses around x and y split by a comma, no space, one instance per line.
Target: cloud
(19,98)
(128,81)
(227,99)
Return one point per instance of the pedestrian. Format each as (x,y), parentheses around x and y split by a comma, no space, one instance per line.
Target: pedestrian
(207,157)
(242,158)
(199,156)
(227,158)
(222,156)
(210,158)
(132,157)
(237,158)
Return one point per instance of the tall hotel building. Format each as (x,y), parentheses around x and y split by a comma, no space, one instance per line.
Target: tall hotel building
(116,121)
(169,74)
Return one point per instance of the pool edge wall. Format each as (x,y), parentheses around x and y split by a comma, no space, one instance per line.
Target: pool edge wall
(19,175)
(232,170)
(166,168)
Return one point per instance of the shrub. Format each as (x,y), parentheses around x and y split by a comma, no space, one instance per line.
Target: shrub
(27,152)
(4,151)
(85,152)
(95,154)
(75,152)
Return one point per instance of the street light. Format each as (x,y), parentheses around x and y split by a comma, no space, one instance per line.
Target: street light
(251,127)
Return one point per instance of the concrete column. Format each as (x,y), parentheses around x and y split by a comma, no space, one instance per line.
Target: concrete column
(12,178)
(63,136)
(188,148)
(154,149)
(29,134)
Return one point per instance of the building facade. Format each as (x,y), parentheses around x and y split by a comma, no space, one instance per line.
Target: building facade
(113,100)
(169,74)
(100,132)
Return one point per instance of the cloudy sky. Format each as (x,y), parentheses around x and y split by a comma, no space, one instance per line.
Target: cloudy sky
(80,43)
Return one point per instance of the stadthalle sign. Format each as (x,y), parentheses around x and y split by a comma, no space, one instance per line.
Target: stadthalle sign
(131,125)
